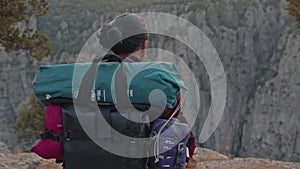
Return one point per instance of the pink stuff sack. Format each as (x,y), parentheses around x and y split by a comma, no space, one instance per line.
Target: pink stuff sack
(49,148)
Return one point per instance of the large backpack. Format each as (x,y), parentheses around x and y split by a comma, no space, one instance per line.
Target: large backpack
(80,147)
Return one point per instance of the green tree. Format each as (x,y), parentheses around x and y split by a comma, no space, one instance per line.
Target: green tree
(30,120)
(15,38)
(293,8)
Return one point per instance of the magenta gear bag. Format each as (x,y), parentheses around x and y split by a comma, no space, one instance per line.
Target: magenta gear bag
(50,146)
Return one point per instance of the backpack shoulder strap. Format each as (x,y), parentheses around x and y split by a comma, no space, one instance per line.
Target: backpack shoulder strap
(114,58)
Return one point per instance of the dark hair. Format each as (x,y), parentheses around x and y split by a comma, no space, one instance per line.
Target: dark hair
(125,34)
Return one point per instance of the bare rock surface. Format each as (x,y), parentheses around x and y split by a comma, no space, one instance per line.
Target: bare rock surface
(203,159)
(208,159)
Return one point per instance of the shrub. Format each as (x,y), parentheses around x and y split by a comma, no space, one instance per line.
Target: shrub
(30,119)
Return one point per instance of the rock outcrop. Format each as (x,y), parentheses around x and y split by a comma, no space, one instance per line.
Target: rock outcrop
(21,160)
(207,159)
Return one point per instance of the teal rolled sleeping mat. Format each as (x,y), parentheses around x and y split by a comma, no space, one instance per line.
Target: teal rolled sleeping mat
(145,81)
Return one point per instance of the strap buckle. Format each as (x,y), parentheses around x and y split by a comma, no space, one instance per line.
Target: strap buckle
(52,136)
(67,135)
(180,147)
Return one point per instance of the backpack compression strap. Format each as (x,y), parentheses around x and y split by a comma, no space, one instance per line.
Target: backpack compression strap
(87,82)
(51,135)
(84,95)
(180,149)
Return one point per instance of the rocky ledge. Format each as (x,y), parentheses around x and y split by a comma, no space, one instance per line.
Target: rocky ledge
(203,159)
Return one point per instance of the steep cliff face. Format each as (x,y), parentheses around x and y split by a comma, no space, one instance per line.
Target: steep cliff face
(273,119)
(258,44)
(16,75)
(261,57)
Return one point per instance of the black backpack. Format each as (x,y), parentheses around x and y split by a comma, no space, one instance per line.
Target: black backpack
(99,135)
(80,150)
